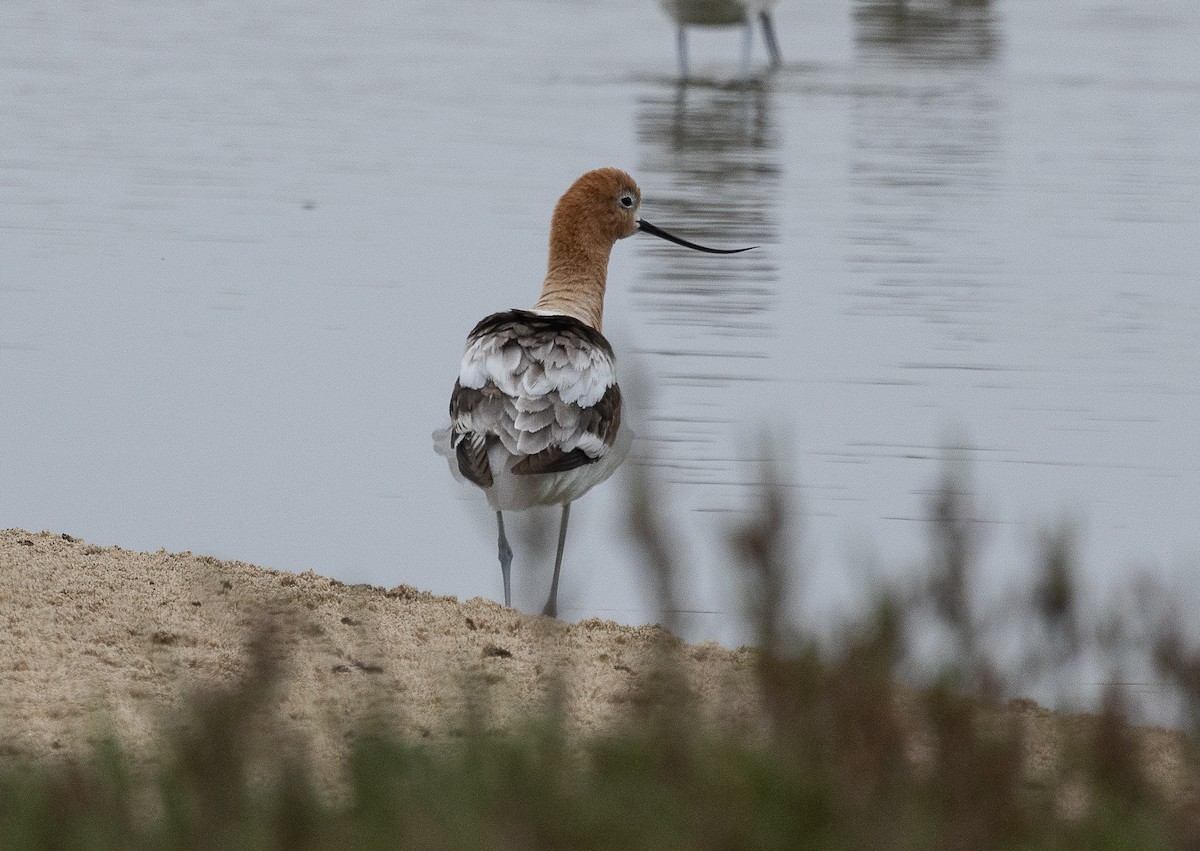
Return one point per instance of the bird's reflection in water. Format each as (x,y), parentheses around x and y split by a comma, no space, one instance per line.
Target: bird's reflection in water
(926,31)
(925,132)
(710,161)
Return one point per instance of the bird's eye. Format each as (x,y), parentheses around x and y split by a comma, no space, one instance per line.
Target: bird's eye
(627,201)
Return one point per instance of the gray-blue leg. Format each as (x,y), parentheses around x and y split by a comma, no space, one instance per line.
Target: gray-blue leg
(505,559)
(681,47)
(552,604)
(768,28)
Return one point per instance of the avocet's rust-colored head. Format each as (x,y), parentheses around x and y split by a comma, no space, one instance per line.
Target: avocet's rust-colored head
(598,209)
(600,206)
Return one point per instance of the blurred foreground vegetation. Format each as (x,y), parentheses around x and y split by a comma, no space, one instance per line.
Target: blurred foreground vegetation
(846,756)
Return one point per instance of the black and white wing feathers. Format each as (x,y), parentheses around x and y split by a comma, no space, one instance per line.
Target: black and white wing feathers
(542,386)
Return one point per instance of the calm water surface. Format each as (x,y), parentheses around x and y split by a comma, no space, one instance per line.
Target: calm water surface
(241,245)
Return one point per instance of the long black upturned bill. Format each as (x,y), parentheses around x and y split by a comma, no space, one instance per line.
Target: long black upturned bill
(644,225)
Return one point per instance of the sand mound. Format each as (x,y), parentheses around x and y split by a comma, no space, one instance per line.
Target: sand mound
(100,638)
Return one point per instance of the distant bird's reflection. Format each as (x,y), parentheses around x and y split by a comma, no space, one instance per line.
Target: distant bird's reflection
(925,131)
(710,157)
(924,31)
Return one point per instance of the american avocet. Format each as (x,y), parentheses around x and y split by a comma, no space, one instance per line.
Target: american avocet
(723,13)
(535,415)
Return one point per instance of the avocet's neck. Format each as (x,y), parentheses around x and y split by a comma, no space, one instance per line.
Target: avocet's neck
(577,272)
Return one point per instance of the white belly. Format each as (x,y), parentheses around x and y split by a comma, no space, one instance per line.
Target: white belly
(510,492)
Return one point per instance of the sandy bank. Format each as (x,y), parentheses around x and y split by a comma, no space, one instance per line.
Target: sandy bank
(96,635)
(96,638)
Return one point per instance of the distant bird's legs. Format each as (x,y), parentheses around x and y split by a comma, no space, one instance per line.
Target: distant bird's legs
(681,44)
(552,604)
(505,559)
(768,27)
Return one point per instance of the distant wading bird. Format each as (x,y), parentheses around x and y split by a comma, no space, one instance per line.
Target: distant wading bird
(723,13)
(535,415)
